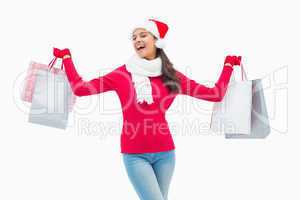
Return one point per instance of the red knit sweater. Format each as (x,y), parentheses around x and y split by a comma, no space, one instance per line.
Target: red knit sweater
(145,129)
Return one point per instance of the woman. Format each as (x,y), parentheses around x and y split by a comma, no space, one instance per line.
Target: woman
(147,85)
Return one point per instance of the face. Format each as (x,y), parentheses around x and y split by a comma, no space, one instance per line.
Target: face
(144,43)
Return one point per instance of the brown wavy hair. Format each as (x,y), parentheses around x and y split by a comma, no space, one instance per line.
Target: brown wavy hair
(169,77)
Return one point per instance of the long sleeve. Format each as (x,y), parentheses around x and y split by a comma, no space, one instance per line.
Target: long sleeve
(215,94)
(85,88)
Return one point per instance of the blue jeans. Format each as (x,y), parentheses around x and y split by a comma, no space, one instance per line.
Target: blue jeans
(150,173)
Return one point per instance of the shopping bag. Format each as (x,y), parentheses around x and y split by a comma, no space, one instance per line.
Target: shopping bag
(260,126)
(233,113)
(30,79)
(51,97)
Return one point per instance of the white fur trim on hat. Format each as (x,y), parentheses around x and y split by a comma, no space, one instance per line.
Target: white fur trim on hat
(149,26)
(160,43)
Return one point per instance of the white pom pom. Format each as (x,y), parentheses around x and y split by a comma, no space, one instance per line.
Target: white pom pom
(160,43)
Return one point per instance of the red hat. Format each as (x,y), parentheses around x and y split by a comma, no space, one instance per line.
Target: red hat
(157,28)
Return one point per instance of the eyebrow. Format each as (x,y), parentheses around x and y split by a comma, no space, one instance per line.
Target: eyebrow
(139,33)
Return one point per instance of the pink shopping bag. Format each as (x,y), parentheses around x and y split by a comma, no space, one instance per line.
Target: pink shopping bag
(29,82)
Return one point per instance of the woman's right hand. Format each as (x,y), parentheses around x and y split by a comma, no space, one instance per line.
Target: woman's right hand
(65,53)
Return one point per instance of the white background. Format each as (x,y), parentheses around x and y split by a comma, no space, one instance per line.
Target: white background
(84,161)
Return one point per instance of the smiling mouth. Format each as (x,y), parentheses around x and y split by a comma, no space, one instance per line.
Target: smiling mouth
(140,48)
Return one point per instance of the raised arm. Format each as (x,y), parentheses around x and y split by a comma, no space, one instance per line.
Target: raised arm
(215,94)
(78,85)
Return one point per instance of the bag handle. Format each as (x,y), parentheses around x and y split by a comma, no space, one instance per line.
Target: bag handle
(243,74)
(52,63)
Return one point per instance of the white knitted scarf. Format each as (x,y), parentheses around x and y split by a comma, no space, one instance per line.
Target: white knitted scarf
(140,70)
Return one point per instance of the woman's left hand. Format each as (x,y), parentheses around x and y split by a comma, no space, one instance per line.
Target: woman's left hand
(233,60)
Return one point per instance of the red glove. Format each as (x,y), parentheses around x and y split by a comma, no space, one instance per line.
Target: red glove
(233,60)
(61,53)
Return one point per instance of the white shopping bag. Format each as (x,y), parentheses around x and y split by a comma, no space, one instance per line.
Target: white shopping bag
(51,98)
(233,113)
(29,83)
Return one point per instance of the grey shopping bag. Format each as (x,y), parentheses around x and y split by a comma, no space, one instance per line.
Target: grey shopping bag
(51,98)
(260,127)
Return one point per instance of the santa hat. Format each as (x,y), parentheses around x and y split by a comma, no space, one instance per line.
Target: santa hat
(157,28)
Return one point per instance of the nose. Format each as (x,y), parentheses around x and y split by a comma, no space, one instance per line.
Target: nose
(137,41)
(138,38)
